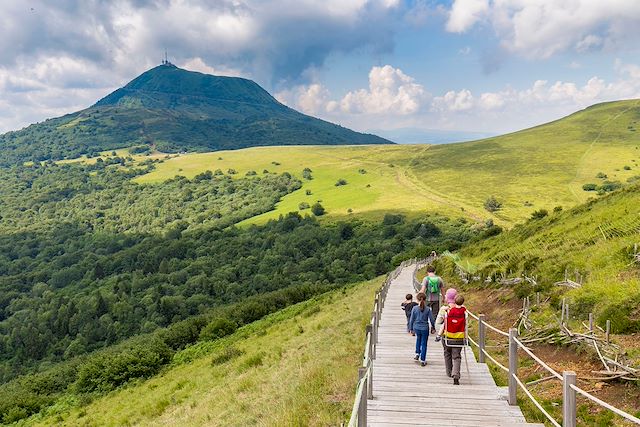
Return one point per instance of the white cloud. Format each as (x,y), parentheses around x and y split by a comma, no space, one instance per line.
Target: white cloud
(94,46)
(454,101)
(540,29)
(311,99)
(465,13)
(390,92)
(395,100)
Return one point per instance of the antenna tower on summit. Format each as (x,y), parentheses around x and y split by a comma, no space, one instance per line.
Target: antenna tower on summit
(165,61)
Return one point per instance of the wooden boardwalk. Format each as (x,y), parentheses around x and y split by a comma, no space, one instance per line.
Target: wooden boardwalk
(405,393)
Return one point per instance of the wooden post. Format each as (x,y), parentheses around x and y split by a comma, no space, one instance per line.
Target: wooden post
(568,399)
(368,330)
(370,381)
(362,407)
(591,322)
(513,366)
(481,338)
(608,330)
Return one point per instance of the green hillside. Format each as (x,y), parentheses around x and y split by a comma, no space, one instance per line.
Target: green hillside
(597,240)
(538,168)
(295,367)
(175,110)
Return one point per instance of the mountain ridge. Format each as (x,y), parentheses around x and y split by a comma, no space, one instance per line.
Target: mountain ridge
(176,110)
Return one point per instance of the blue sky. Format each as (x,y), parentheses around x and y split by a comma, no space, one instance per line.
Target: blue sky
(461,65)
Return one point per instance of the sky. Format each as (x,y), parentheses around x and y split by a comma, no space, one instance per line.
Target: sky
(491,66)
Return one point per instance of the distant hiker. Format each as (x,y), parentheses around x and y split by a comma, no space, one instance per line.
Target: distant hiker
(419,321)
(433,288)
(407,306)
(454,338)
(449,301)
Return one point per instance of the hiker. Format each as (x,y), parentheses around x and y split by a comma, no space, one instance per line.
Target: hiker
(407,306)
(433,288)
(419,321)
(454,338)
(449,301)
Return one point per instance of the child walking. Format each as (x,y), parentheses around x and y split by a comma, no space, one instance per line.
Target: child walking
(419,321)
(454,334)
(407,306)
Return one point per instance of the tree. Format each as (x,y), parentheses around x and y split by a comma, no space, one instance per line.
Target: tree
(492,204)
(340,182)
(590,187)
(317,209)
(306,174)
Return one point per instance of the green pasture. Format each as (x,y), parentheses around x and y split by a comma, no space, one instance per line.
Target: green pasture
(537,168)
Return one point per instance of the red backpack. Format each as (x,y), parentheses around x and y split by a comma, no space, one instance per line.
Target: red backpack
(456,323)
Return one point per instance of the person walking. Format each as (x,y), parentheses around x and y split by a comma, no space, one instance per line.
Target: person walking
(407,306)
(419,321)
(454,338)
(433,288)
(449,301)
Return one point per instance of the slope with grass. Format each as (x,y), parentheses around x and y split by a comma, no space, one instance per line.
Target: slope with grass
(294,367)
(537,168)
(597,240)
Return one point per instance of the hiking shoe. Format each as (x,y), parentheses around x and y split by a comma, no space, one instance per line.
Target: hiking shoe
(456,381)
(416,357)
(423,363)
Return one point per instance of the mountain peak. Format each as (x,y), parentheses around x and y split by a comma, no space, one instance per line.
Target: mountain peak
(168,86)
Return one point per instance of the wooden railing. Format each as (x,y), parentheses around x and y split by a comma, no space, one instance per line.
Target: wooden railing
(568,378)
(364,390)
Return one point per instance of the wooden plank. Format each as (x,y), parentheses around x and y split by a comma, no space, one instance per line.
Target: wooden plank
(406,393)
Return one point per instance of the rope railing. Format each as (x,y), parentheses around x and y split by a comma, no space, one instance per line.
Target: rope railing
(364,390)
(568,378)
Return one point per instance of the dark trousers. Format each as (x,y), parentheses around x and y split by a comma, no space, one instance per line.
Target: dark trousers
(421,343)
(435,307)
(452,357)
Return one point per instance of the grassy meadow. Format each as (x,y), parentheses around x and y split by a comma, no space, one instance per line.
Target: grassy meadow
(294,367)
(537,168)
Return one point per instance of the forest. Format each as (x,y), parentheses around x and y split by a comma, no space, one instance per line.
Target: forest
(88,258)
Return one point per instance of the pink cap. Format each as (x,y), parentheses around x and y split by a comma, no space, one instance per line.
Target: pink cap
(450,296)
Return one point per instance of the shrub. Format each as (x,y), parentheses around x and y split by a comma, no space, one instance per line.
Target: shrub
(340,182)
(231,171)
(392,219)
(218,328)
(306,174)
(590,187)
(308,192)
(492,204)
(362,171)
(303,205)
(317,209)
(601,175)
(539,214)
(627,168)
(251,173)
(107,370)
(609,186)
(557,209)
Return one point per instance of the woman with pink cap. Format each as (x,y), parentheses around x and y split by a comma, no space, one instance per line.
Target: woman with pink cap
(449,301)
